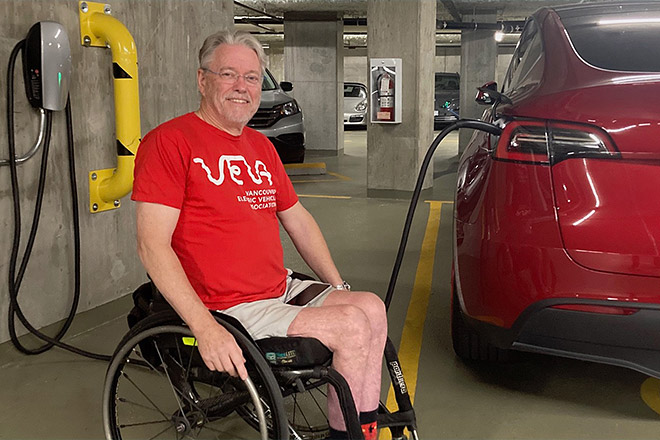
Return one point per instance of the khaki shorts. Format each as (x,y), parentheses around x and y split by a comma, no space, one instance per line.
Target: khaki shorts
(272,317)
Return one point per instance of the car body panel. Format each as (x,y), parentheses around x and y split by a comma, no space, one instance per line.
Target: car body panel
(609,214)
(562,255)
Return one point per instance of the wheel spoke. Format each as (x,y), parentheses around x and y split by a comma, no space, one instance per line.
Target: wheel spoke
(169,379)
(130,402)
(151,422)
(123,373)
(317,403)
(302,413)
(155,436)
(192,354)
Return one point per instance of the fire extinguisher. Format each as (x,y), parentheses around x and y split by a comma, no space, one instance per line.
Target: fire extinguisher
(385,83)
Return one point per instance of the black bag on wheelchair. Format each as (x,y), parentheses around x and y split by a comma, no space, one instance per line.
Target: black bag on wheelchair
(147,302)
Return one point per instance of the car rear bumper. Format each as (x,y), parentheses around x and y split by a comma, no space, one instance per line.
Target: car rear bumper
(629,341)
(444,116)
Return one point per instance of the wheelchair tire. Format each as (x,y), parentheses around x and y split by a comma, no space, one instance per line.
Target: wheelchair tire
(169,392)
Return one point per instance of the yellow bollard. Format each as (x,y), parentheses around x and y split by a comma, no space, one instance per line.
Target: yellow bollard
(99,29)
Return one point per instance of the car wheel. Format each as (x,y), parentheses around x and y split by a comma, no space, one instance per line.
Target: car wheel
(469,345)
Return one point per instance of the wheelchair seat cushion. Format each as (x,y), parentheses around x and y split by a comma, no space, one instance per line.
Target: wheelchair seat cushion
(294,352)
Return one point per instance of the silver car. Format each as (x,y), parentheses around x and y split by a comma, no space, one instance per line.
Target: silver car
(355,104)
(280,118)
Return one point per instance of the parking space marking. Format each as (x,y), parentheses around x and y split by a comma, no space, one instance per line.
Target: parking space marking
(338,178)
(413,329)
(323,196)
(650,392)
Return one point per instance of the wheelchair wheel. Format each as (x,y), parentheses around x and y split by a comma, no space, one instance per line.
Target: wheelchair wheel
(306,411)
(157,386)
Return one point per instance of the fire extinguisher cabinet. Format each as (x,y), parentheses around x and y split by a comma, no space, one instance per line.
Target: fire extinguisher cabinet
(385,87)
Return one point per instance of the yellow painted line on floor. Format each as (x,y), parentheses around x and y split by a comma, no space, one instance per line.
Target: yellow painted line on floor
(413,329)
(650,392)
(313,180)
(305,165)
(323,197)
(339,176)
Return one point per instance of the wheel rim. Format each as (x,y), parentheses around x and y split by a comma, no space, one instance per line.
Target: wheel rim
(157,387)
(306,412)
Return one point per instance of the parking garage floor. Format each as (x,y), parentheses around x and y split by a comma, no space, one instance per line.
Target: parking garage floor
(57,395)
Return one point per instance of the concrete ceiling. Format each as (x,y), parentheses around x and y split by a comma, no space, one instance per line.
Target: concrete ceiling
(265,17)
(448,10)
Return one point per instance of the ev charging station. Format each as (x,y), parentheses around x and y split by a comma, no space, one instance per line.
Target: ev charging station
(47,68)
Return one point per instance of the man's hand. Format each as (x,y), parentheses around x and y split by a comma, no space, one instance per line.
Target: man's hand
(220,351)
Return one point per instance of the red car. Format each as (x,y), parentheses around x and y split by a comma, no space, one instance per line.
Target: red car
(557,220)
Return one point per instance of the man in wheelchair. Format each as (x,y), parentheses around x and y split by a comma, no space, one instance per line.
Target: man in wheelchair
(210,192)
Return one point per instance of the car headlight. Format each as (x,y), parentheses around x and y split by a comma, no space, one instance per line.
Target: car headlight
(288,108)
(361,106)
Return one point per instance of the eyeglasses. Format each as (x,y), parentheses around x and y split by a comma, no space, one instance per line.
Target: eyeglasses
(230,77)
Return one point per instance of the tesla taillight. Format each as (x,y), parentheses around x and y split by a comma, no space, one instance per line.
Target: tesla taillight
(542,142)
(523,141)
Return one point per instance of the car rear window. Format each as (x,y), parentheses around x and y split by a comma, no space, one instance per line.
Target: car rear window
(446,82)
(616,37)
(351,91)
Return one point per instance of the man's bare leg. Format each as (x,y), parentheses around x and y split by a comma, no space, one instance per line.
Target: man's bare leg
(354,326)
(374,309)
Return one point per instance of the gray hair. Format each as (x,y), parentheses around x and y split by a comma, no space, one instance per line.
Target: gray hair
(230,37)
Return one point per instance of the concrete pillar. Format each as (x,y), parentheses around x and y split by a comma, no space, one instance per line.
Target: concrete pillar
(314,63)
(275,59)
(478,62)
(402,29)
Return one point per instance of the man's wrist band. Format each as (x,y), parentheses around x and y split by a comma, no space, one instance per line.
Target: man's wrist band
(343,286)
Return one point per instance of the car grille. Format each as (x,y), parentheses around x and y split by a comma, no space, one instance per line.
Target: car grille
(265,117)
(292,138)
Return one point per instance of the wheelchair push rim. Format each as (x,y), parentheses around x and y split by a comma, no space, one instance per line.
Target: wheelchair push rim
(156,386)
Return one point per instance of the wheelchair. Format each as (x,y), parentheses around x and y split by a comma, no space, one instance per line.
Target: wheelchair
(157,385)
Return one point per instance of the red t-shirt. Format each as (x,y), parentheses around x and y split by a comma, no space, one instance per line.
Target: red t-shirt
(228,189)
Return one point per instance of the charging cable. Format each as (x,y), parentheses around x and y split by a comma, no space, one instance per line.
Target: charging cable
(16,278)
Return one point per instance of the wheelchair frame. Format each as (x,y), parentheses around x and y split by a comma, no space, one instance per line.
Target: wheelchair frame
(153,316)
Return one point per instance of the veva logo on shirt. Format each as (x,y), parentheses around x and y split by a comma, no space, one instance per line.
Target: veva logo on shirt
(229,162)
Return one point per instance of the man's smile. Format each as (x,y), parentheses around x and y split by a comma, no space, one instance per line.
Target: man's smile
(238,100)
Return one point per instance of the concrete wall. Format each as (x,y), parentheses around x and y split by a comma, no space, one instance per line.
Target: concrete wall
(168,34)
